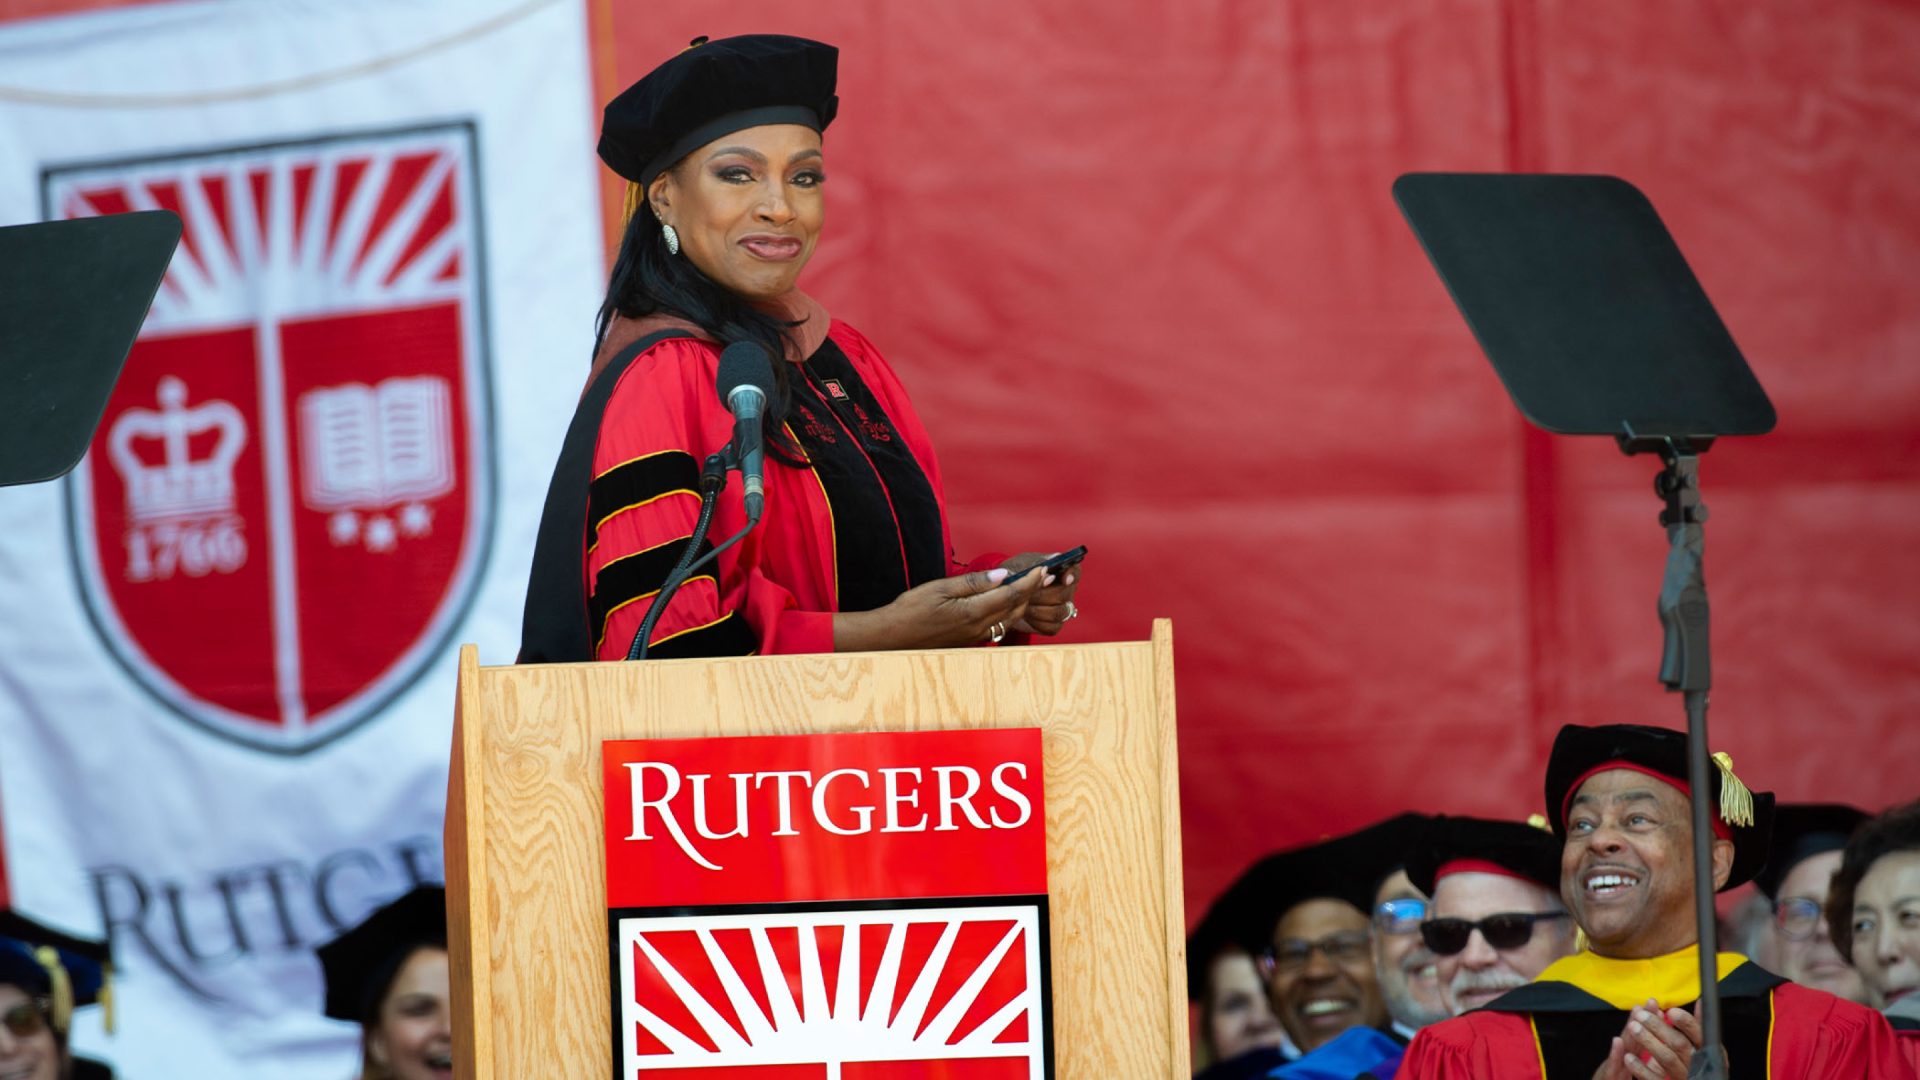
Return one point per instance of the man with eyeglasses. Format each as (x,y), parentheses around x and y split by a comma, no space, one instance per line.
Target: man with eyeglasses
(1807,841)
(44,976)
(1497,920)
(1404,965)
(1339,947)
(1618,800)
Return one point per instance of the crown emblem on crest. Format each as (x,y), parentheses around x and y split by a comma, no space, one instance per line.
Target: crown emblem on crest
(179,485)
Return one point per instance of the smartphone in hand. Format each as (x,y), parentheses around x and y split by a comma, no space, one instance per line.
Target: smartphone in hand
(1062,561)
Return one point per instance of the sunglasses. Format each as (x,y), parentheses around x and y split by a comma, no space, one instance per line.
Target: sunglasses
(1507,930)
(23,1020)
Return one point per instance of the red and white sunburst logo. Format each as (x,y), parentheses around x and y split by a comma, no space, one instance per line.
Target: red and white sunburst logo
(288,500)
(955,992)
(829,907)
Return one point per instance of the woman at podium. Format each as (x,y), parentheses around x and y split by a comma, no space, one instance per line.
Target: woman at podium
(722,149)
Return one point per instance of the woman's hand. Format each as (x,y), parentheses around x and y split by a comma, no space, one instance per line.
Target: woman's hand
(1052,604)
(950,612)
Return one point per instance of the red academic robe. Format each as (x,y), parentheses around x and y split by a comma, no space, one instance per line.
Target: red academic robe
(1560,1025)
(859,521)
(1907,1030)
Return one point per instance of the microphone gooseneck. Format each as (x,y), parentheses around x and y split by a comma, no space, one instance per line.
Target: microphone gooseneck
(745,384)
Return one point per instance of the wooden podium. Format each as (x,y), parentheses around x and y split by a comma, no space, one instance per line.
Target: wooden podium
(526,873)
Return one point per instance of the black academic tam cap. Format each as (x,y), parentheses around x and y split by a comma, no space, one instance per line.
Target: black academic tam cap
(1452,845)
(1801,831)
(1221,928)
(360,964)
(71,972)
(714,88)
(1742,816)
(1349,868)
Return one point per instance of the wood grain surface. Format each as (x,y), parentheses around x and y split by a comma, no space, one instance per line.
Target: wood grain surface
(526,871)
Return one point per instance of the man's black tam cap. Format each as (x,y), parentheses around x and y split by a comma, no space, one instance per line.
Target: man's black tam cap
(1742,816)
(1453,845)
(360,964)
(1801,831)
(1349,868)
(1222,928)
(714,88)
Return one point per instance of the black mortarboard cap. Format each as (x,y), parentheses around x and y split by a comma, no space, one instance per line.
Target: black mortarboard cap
(69,971)
(1453,844)
(1220,929)
(1348,868)
(1742,816)
(713,88)
(360,964)
(1801,831)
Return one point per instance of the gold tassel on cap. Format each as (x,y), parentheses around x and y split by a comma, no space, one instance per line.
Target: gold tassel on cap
(106,997)
(1539,821)
(48,957)
(1736,802)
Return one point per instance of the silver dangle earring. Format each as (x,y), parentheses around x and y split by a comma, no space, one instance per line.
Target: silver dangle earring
(672,238)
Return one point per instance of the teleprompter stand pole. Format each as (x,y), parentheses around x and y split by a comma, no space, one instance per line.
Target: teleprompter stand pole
(1686,665)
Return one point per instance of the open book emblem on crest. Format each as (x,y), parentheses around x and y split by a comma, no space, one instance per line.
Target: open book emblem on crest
(375,457)
(289,500)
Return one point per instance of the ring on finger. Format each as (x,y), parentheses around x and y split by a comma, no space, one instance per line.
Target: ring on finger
(998,631)
(1071,612)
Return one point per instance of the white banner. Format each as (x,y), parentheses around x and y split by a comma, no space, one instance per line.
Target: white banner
(227,641)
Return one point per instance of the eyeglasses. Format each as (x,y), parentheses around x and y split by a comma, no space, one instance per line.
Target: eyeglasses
(1402,916)
(23,1020)
(1293,955)
(1507,930)
(1799,918)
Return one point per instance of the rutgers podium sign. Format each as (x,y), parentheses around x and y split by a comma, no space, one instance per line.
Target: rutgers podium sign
(829,907)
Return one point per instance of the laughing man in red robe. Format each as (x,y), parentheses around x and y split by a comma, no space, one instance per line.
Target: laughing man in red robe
(1618,798)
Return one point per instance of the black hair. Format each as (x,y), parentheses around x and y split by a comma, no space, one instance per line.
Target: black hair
(374,994)
(647,280)
(1891,833)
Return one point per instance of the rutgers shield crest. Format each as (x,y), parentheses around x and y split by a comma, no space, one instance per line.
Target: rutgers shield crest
(288,500)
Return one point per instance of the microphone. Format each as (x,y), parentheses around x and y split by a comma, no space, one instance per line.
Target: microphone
(745,383)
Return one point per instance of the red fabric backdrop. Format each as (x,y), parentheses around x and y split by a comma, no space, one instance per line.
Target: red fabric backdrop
(1138,261)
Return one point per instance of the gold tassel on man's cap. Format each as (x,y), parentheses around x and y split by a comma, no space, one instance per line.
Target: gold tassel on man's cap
(61,987)
(105,997)
(1736,802)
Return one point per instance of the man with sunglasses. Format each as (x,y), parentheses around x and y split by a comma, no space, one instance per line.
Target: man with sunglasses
(44,976)
(1807,842)
(1618,800)
(1497,920)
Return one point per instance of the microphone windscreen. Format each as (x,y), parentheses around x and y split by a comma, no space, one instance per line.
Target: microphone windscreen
(744,363)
